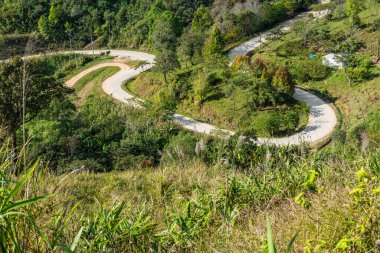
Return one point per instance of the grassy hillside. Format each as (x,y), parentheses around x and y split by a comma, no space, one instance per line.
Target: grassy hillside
(193,207)
(356,100)
(225,104)
(91,84)
(99,176)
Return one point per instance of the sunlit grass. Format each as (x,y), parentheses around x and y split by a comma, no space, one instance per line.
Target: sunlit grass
(91,83)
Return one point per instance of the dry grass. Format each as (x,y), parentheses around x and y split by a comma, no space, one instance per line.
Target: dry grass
(164,190)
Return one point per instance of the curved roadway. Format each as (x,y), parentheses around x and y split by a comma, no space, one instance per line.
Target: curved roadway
(322,118)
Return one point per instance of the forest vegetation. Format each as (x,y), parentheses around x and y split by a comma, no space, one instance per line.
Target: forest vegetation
(82,172)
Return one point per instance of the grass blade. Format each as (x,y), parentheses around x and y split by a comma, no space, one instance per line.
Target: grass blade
(291,243)
(25,203)
(20,184)
(271,243)
(76,239)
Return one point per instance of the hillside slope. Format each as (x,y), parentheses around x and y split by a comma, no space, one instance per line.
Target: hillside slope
(112,178)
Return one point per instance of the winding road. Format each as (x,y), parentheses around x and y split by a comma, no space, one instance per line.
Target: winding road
(322,117)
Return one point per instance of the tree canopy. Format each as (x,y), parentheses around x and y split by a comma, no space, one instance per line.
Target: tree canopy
(26,87)
(131,23)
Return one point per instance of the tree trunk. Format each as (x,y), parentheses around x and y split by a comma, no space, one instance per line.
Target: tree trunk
(165,77)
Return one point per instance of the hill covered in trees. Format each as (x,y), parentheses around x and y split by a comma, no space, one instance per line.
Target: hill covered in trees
(80,172)
(131,23)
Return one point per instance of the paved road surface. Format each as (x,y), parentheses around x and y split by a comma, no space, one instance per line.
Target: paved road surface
(322,118)
(257,41)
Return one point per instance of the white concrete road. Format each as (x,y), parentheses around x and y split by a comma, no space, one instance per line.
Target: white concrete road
(322,118)
(258,40)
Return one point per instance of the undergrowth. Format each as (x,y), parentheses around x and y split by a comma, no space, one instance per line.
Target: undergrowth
(329,201)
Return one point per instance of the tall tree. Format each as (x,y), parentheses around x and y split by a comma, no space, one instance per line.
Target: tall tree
(353,8)
(214,43)
(164,37)
(189,50)
(202,19)
(165,31)
(248,23)
(44,27)
(166,61)
(26,88)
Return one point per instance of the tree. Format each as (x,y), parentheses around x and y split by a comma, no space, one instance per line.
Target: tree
(353,8)
(202,19)
(262,94)
(283,80)
(166,61)
(165,31)
(214,43)
(290,6)
(248,23)
(52,27)
(44,27)
(56,14)
(26,88)
(189,50)
(69,30)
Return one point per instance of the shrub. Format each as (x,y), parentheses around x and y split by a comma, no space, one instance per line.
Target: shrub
(201,88)
(306,69)
(359,74)
(281,123)
(240,61)
(259,65)
(360,68)
(180,148)
(351,45)
(74,63)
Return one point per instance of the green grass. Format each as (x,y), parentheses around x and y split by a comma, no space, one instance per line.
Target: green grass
(224,112)
(134,63)
(98,60)
(193,207)
(230,113)
(146,86)
(90,84)
(355,101)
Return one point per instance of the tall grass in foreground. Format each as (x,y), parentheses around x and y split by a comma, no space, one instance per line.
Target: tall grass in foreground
(196,208)
(18,226)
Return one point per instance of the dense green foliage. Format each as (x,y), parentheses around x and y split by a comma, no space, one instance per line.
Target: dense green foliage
(251,90)
(26,88)
(190,207)
(167,190)
(132,23)
(354,89)
(99,135)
